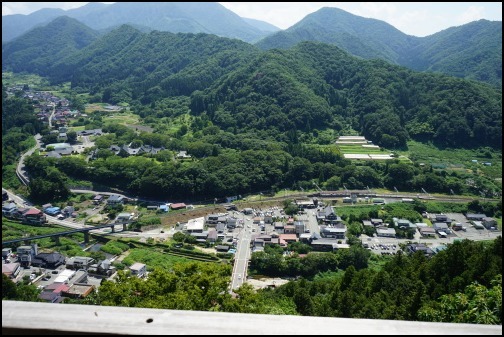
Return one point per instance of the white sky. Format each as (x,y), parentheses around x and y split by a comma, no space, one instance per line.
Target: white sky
(414,18)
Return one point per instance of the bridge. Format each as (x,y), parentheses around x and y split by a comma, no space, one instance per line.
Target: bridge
(57,235)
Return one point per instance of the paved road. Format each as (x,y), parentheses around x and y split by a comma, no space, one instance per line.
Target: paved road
(243,252)
(20,168)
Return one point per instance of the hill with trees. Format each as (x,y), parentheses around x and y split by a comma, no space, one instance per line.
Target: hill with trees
(472,51)
(312,86)
(461,284)
(38,50)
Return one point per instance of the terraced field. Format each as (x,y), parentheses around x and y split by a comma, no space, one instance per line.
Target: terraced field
(358,148)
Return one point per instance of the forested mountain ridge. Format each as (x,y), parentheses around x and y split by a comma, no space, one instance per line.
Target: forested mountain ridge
(473,50)
(310,86)
(38,50)
(367,38)
(175,17)
(314,85)
(149,66)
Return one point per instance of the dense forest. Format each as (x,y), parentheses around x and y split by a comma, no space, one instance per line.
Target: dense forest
(461,284)
(471,51)
(310,86)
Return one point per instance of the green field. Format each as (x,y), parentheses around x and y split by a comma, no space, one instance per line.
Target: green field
(153,259)
(457,159)
(358,149)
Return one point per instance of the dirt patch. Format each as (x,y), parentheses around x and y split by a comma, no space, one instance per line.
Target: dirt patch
(140,128)
(172,219)
(266,282)
(205,250)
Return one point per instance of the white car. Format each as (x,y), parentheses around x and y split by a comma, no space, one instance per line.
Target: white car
(239,276)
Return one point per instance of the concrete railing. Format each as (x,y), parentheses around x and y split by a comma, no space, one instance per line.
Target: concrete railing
(48,318)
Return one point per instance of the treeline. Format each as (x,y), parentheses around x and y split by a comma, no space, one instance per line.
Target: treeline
(230,172)
(19,124)
(272,263)
(411,288)
(460,284)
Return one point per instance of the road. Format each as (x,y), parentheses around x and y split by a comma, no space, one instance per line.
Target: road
(310,220)
(20,168)
(243,252)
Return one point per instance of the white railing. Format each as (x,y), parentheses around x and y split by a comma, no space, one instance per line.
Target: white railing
(48,318)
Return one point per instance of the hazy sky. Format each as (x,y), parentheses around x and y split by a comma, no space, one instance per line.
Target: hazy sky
(414,18)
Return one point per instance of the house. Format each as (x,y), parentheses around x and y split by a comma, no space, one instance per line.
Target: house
(427,231)
(402,223)
(34,217)
(231,222)
(183,155)
(115,200)
(324,245)
(299,227)
(98,199)
(377,222)
(489,222)
(386,232)
(212,236)
(336,232)
(441,218)
(6,252)
(441,228)
(124,218)
(328,215)
(220,227)
(68,210)
(25,254)
(247,211)
(48,260)
(195,225)
(164,208)
(222,248)
(367,223)
(9,209)
(78,290)
(288,238)
(138,269)
(305,204)
(60,148)
(213,219)
(305,237)
(419,247)
(279,227)
(52,211)
(268,217)
(11,270)
(62,137)
(201,237)
(477,217)
(80,262)
(289,229)
(179,205)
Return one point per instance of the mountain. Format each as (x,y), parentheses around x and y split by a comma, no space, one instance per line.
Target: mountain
(147,65)
(309,87)
(175,17)
(37,50)
(318,86)
(18,24)
(367,38)
(262,25)
(472,51)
